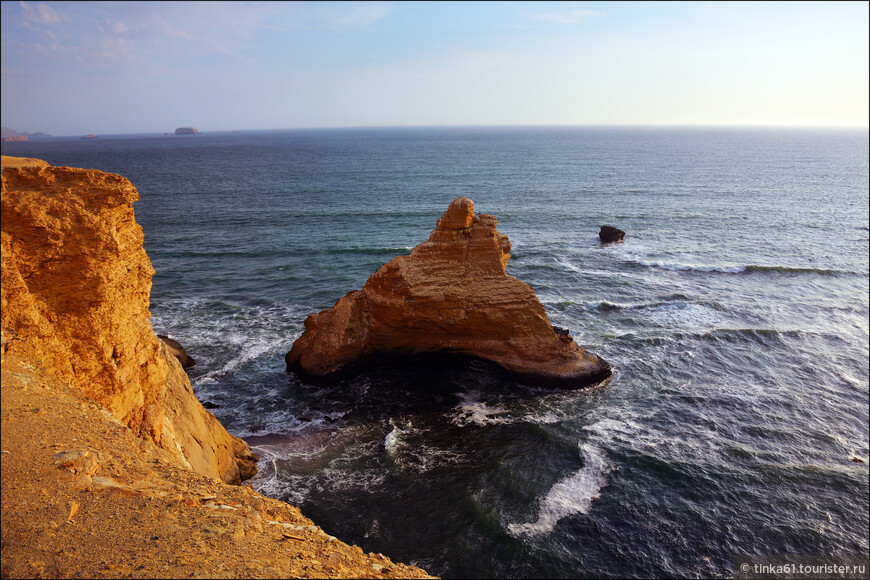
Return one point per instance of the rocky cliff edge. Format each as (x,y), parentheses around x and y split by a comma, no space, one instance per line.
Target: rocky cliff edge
(75,292)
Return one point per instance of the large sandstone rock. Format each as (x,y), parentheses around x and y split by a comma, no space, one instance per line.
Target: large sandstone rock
(75,291)
(450,295)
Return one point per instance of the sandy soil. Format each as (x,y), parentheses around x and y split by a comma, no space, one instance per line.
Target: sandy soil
(82,497)
(7,161)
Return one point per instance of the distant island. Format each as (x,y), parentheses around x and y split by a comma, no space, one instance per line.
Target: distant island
(8,134)
(186,131)
(89,136)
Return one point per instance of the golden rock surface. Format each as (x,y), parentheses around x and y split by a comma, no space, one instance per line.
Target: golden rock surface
(452,295)
(75,289)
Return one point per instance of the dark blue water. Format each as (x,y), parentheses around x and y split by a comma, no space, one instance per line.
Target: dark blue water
(734,315)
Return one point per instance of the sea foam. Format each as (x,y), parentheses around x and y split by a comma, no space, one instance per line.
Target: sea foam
(569,496)
(473,410)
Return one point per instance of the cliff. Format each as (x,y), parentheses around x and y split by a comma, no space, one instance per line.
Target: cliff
(110,466)
(450,295)
(75,291)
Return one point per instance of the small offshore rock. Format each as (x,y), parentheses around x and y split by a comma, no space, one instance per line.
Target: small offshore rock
(176,350)
(610,234)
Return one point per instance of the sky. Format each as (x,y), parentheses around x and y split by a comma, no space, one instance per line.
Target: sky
(74,68)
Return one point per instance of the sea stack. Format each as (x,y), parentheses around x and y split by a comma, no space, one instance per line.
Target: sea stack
(186,131)
(450,295)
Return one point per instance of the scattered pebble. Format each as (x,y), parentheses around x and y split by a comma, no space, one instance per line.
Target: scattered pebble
(73,510)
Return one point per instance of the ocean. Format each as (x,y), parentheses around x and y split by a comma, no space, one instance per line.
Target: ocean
(734,315)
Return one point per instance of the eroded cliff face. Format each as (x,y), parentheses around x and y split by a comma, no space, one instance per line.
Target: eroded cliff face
(75,292)
(450,295)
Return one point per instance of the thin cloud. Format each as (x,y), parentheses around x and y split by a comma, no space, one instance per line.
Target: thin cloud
(39,14)
(108,26)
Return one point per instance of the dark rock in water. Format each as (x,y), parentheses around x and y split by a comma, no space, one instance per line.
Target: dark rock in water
(857,460)
(563,333)
(210,405)
(177,351)
(610,234)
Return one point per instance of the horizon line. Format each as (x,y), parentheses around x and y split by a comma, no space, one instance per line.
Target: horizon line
(491,126)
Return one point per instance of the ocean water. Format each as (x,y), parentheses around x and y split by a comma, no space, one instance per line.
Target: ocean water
(734,315)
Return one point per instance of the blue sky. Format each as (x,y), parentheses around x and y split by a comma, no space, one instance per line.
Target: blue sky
(71,68)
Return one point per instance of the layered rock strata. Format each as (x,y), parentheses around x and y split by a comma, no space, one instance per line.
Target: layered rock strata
(451,295)
(75,292)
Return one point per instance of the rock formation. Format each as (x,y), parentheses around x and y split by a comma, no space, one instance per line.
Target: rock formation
(610,234)
(176,350)
(186,131)
(75,291)
(450,295)
(16,138)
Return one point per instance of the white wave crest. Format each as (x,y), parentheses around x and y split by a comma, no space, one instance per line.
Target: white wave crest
(250,349)
(473,410)
(673,261)
(572,495)
(414,457)
(679,267)
(391,441)
(394,441)
(683,315)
